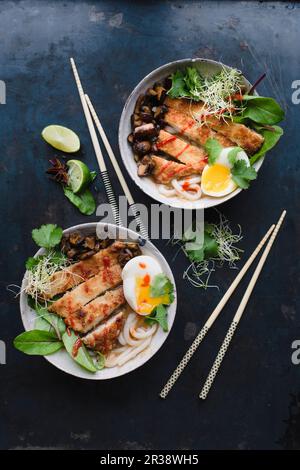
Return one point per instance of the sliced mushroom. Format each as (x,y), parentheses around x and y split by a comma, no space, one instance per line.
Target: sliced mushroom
(142,147)
(76,238)
(130,139)
(146,131)
(145,166)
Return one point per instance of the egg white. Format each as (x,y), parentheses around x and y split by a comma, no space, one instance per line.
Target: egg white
(135,269)
(222,160)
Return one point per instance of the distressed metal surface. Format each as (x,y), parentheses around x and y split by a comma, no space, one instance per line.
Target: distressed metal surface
(255,401)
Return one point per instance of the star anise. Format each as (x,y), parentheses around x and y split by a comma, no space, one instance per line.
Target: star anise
(58,171)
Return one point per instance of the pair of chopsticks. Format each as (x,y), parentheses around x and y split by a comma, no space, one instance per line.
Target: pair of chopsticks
(90,115)
(273,230)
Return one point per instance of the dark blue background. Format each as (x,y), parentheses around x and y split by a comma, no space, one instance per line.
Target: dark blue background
(255,401)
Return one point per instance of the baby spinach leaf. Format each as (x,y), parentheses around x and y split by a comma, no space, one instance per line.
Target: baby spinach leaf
(85,201)
(37,342)
(47,236)
(53,320)
(82,357)
(262,110)
(159,315)
(213,148)
(271,137)
(242,174)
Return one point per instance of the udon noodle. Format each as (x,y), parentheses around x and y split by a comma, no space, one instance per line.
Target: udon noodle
(135,337)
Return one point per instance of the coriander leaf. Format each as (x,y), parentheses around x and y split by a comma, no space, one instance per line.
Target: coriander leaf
(262,110)
(47,236)
(159,315)
(194,83)
(178,88)
(85,201)
(37,342)
(271,137)
(161,286)
(195,252)
(233,153)
(210,246)
(242,174)
(213,148)
(31,263)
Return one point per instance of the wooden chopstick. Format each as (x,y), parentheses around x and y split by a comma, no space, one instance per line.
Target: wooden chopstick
(117,168)
(208,324)
(107,184)
(227,340)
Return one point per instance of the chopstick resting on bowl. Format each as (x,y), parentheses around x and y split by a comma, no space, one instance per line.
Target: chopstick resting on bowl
(103,170)
(212,318)
(117,168)
(238,315)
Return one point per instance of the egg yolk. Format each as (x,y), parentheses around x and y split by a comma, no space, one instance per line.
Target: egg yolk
(216,178)
(145,303)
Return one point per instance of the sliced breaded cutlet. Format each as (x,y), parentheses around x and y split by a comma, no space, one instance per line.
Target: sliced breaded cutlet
(91,314)
(224,131)
(182,151)
(73,300)
(166,170)
(79,272)
(104,337)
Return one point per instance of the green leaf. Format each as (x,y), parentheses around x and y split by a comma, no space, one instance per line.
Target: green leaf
(100,361)
(37,343)
(82,357)
(32,263)
(204,247)
(242,174)
(232,155)
(53,320)
(161,286)
(159,315)
(85,201)
(41,324)
(271,137)
(213,148)
(93,175)
(262,110)
(178,88)
(47,236)
(194,83)
(210,246)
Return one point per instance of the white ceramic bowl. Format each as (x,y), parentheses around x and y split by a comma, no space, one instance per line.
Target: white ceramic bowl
(61,359)
(146,184)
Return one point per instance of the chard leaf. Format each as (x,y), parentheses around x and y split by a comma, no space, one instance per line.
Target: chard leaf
(37,343)
(82,357)
(271,137)
(85,201)
(262,110)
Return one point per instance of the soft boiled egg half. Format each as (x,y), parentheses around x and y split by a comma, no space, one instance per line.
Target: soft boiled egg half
(216,179)
(137,276)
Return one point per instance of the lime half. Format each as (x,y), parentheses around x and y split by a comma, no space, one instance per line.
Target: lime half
(61,138)
(79,175)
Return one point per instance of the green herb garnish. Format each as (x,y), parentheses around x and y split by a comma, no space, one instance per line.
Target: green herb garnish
(47,236)
(243,174)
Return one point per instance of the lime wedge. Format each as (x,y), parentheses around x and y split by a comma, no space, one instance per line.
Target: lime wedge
(61,138)
(79,175)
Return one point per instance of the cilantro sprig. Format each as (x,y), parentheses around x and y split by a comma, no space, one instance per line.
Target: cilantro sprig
(161,286)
